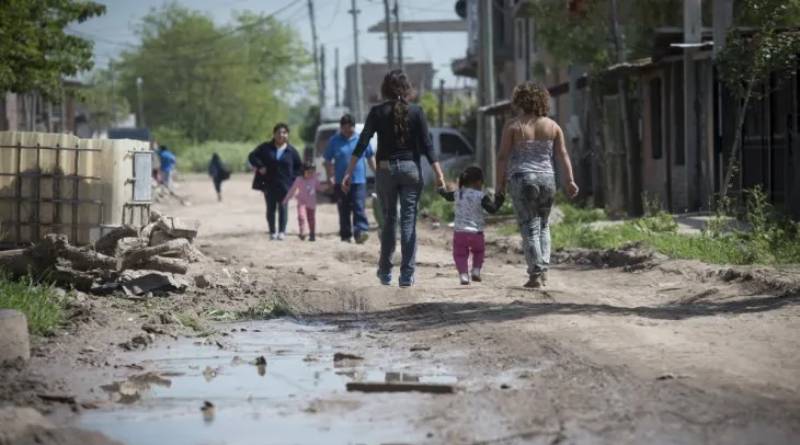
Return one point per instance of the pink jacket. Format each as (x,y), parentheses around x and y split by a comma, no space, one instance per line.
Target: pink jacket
(305,191)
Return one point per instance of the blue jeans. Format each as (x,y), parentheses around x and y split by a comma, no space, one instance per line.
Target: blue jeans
(533,195)
(352,210)
(274,201)
(398,181)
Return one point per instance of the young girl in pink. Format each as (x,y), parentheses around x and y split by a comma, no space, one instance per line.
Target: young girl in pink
(304,190)
(470,201)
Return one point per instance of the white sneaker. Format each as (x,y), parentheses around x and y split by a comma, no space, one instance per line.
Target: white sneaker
(273,236)
(464,278)
(281,236)
(476,274)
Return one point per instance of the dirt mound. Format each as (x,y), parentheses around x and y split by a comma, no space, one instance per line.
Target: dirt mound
(631,257)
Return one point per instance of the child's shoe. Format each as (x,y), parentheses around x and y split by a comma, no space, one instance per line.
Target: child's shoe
(312,237)
(464,278)
(302,236)
(476,274)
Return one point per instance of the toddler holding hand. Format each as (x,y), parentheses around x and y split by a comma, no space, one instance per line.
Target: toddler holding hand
(468,235)
(304,190)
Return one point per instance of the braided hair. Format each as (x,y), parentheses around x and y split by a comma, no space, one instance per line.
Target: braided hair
(397,88)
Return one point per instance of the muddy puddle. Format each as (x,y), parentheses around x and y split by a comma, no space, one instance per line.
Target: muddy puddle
(190,393)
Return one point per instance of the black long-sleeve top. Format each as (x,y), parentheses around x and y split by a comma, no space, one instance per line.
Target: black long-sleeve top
(417,141)
(280,172)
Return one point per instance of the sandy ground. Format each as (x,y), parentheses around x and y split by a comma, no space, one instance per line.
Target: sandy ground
(676,353)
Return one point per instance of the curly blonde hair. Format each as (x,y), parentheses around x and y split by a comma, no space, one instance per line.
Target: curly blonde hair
(531,97)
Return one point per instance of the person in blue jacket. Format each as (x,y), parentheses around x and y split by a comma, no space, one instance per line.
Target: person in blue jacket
(167,161)
(277,164)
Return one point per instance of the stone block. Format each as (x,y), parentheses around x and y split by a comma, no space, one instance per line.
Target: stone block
(14,340)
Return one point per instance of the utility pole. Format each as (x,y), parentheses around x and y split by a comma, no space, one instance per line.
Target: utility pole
(486,136)
(322,86)
(441,102)
(140,121)
(336,76)
(692,28)
(399,31)
(357,104)
(389,41)
(633,185)
(317,73)
(113,102)
(722,21)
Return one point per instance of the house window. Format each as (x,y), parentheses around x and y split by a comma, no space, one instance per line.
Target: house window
(656,140)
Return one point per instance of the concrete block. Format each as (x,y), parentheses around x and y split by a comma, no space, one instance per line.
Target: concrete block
(14,341)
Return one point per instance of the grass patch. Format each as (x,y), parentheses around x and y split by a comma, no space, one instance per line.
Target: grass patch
(274,307)
(40,303)
(770,240)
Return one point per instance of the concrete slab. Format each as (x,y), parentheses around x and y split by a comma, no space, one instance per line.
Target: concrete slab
(14,340)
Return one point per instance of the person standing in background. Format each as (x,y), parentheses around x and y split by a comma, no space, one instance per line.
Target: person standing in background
(351,204)
(167,161)
(277,164)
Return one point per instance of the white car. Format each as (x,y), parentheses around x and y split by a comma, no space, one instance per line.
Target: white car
(455,152)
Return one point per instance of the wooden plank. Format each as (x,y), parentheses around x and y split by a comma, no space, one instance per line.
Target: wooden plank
(431,388)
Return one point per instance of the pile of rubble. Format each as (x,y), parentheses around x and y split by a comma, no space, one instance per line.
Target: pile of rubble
(153,259)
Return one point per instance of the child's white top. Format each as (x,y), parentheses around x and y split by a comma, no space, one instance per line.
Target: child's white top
(469,210)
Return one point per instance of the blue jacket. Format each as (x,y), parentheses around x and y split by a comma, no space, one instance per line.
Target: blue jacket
(281,173)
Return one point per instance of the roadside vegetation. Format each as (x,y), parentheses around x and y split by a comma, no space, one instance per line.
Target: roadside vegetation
(41,304)
(195,157)
(769,239)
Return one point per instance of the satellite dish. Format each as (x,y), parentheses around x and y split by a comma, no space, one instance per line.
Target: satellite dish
(461,9)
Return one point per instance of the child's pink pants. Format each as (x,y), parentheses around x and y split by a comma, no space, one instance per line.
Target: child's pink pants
(463,244)
(306,214)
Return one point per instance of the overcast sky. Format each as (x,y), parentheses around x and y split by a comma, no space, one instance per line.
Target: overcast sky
(113,31)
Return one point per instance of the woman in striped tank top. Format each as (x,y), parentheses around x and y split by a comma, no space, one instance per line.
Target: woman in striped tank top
(525,166)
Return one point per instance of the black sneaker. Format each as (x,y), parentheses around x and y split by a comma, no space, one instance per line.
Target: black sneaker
(312,237)
(362,237)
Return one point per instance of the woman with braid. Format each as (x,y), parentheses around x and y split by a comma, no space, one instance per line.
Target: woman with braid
(403,138)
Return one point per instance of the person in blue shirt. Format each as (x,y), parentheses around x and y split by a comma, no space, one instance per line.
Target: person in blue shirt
(167,161)
(351,204)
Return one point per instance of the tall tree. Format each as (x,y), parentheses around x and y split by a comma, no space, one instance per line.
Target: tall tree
(209,82)
(757,57)
(35,52)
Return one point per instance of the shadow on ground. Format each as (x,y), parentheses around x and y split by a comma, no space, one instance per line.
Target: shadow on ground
(441,314)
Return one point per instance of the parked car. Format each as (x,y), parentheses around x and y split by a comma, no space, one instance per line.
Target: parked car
(455,151)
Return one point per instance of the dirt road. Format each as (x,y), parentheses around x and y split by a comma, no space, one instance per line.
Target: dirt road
(679,352)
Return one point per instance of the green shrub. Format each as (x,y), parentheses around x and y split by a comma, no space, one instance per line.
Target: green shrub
(40,303)
(195,158)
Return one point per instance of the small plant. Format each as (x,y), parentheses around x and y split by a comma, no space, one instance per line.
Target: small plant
(42,306)
(274,307)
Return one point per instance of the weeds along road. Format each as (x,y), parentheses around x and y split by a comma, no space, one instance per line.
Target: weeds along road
(673,354)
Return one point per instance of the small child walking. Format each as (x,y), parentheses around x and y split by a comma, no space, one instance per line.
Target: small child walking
(468,235)
(304,190)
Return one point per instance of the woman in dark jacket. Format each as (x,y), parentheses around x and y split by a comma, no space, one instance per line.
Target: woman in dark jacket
(403,138)
(277,165)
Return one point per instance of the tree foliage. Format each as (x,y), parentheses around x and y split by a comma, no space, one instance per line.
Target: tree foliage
(459,113)
(106,105)
(209,82)
(766,49)
(35,52)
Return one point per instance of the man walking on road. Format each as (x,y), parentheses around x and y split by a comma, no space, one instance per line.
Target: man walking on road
(351,204)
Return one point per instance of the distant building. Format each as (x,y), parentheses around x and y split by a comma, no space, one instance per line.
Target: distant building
(420,74)
(32,112)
